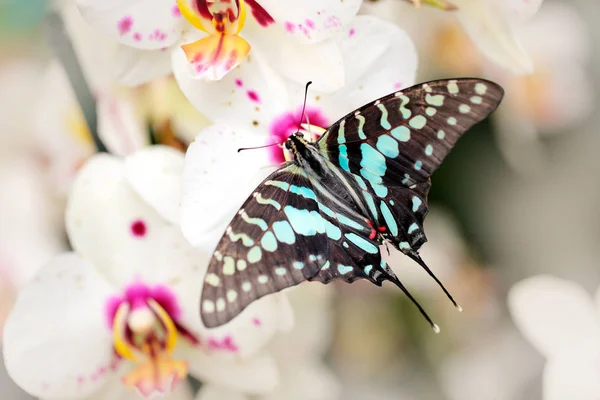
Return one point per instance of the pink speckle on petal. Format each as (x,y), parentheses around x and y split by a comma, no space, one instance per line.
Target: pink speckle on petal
(310,23)
(253,96)
(398,85)
(225,344)
(137,36)
(256,322)
(138,228)
(124,25)
(351,32)
(175,11)
(239,83)
(289,26)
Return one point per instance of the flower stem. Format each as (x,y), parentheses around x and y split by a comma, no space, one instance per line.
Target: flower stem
(64,51)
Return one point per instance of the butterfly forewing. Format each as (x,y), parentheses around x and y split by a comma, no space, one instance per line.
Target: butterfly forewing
(276,240)
(393,145)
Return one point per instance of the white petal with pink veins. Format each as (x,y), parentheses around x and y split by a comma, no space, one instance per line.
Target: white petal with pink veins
(557,316)
(119,125)
(217,179)
(145,24)
(249,96)
(369,44)
(155,174)
(57,343)
(494,35)
(311,20)
(109,223)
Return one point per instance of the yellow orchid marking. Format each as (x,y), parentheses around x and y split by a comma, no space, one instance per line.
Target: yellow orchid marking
(150,349)
(223,49)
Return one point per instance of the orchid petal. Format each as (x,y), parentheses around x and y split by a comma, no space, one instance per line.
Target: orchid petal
(367,44)
(217,179)
(56,341)
(134,67)
(494,36)
(216,392)
(519,10)
(557,316)
(249,96)
(311,21)
(112,226)
(145,24)
(254,375)
(572,377)
(155,174)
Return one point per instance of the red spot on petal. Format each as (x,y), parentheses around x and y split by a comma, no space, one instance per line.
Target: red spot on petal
(138,228)
(261,15)
(239,83)
(253,96)
(124,25)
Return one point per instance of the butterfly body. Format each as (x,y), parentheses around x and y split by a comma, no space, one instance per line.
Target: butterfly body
(323,215)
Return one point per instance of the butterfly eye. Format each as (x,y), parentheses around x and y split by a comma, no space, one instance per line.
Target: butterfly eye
(288,145)
(300,134)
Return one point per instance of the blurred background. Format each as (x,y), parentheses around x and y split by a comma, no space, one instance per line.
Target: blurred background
(517,196)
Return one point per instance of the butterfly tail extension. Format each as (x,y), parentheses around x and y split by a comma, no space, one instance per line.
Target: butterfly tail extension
(417,258)
(388,274)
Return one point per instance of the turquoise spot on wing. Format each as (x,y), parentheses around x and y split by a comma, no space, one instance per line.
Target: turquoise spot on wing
(371,204)
(326,210)
(429,149)
(303,191)
(318,221)
(284,232)
(413,227)
(361,182)
(368,269)
(402,133)
(304,222)
(344,269)
(384,117)
(380,190)
(404,245)
(435,100)
(255,221)
(388,146)
(418,165)
(416,203)
(406,113)
(348,222)
(254,255)
(268,242)
(418,122)
(361,243)
(333,232)
(389,219)
(262,200)
(361,124)
(370,176)
(343,158)
(341,132)
(246,240)
(325,266)
(298,264)
(281,185)
(372,160)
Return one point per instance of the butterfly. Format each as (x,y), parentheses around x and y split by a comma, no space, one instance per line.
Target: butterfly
(364,182)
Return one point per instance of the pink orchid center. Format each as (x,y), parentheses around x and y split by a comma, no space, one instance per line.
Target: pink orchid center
(145,324)
(284,125)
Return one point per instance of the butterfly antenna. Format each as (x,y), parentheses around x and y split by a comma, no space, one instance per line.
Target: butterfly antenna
(259,147)
(397,282)
(420,261)
(304,105)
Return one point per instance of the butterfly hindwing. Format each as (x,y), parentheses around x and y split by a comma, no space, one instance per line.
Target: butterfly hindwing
(276,240)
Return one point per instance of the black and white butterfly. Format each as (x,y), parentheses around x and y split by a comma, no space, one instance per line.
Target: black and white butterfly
(365,181)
